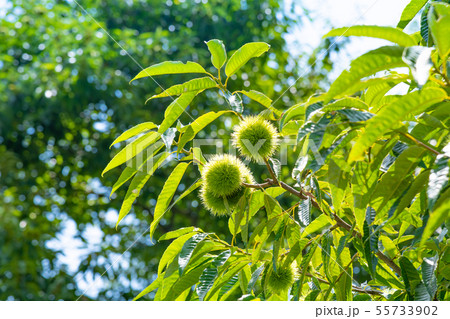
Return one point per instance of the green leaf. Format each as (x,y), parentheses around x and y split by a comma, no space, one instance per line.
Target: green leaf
(410,12)
(262,99)
(355,115)
(387,33)
(365,176)
(243,54)
(362,85)
(218,53)
(132,149)
(348,102)
(439,177)
(186,281)
(380,59)
(304,269)
(254,278)
(197,126)
(413,284)
(143,127)
(136,185)
(172,250)
(166,195)
(304,212)
(209,275)
(272,207)
(194,85)
(188,249)
(429,266)
(170,67)
(133,192)
(154,285)
(126,174)
(437,218)
(206,281)
(395,181)
(299,110)
(175,109)
(407,198)
(337,179)
(343,285)
(424,31)
(370,240)
(221,258)
(222,280)
(410,104)
(177,233)
(228,285)
(439,24)
(193,187)
(316,225)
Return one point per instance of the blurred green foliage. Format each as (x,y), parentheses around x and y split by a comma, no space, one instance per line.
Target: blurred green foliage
(65,97)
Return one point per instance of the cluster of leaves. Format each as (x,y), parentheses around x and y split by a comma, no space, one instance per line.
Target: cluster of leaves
(368,215)
(65,96)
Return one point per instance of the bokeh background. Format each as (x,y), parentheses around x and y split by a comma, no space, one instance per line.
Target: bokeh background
(65,96)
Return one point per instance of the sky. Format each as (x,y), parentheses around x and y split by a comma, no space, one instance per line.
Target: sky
(306,36)
(328,14)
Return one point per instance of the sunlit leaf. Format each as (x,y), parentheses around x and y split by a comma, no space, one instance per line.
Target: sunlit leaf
(194,85)
(437,218)
(243,54)
(316,225)
(218,53)
(140,128)
(380,59)
(170,67)
(412,103)
(188,249)
(348,102)
(132,149)
(439,24)
(186,281)
(154,285)
(387,33)
(126,174)
(262,99)
(164,198)
(197,126)
(177,233)
(173,250)
(410,12)
(395,181)
(136,185)
(175,109)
